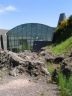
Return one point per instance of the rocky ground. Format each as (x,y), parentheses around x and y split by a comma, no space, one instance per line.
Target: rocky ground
(26,74)
(19,63)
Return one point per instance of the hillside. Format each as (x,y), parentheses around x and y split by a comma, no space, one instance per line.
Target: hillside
(63,37)
(63,47)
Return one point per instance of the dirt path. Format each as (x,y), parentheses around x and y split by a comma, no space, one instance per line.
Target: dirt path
(24,86)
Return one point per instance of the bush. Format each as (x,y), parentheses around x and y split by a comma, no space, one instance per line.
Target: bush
(63,31)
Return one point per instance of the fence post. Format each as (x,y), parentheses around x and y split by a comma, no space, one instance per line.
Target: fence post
(7,43)
(2,44)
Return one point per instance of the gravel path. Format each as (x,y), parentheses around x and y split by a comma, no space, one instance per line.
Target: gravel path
(25,86)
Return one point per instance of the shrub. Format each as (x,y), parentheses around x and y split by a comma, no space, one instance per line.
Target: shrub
(63,31)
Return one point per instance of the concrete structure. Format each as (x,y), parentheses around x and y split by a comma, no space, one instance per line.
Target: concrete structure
(3,33)
(61,18)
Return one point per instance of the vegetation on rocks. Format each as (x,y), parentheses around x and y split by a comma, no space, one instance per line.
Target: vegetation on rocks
(62,44)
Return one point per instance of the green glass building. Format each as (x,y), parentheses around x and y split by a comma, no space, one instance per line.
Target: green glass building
(23,36)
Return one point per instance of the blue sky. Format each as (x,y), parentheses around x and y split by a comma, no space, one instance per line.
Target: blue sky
(16,12)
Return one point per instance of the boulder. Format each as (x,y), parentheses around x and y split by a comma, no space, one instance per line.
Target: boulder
(49,58)
(45,71)
(68,61)
(58,59)
(14,72)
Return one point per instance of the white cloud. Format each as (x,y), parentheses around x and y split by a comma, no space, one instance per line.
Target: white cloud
(8,8)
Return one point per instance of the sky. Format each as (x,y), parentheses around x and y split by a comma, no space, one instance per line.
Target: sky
(16,12)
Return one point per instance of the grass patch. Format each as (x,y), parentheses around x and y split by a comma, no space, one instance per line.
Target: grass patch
(62,47)
(51,67)
(65,85)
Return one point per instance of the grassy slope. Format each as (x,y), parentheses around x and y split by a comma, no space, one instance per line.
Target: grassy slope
(63,47)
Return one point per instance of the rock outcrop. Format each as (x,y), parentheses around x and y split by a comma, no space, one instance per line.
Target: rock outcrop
(19,63)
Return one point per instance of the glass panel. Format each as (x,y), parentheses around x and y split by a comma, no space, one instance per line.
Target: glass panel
(23,36)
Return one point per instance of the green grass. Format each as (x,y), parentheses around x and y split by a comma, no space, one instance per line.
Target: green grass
(51,67)
(62,47)
(65,85)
